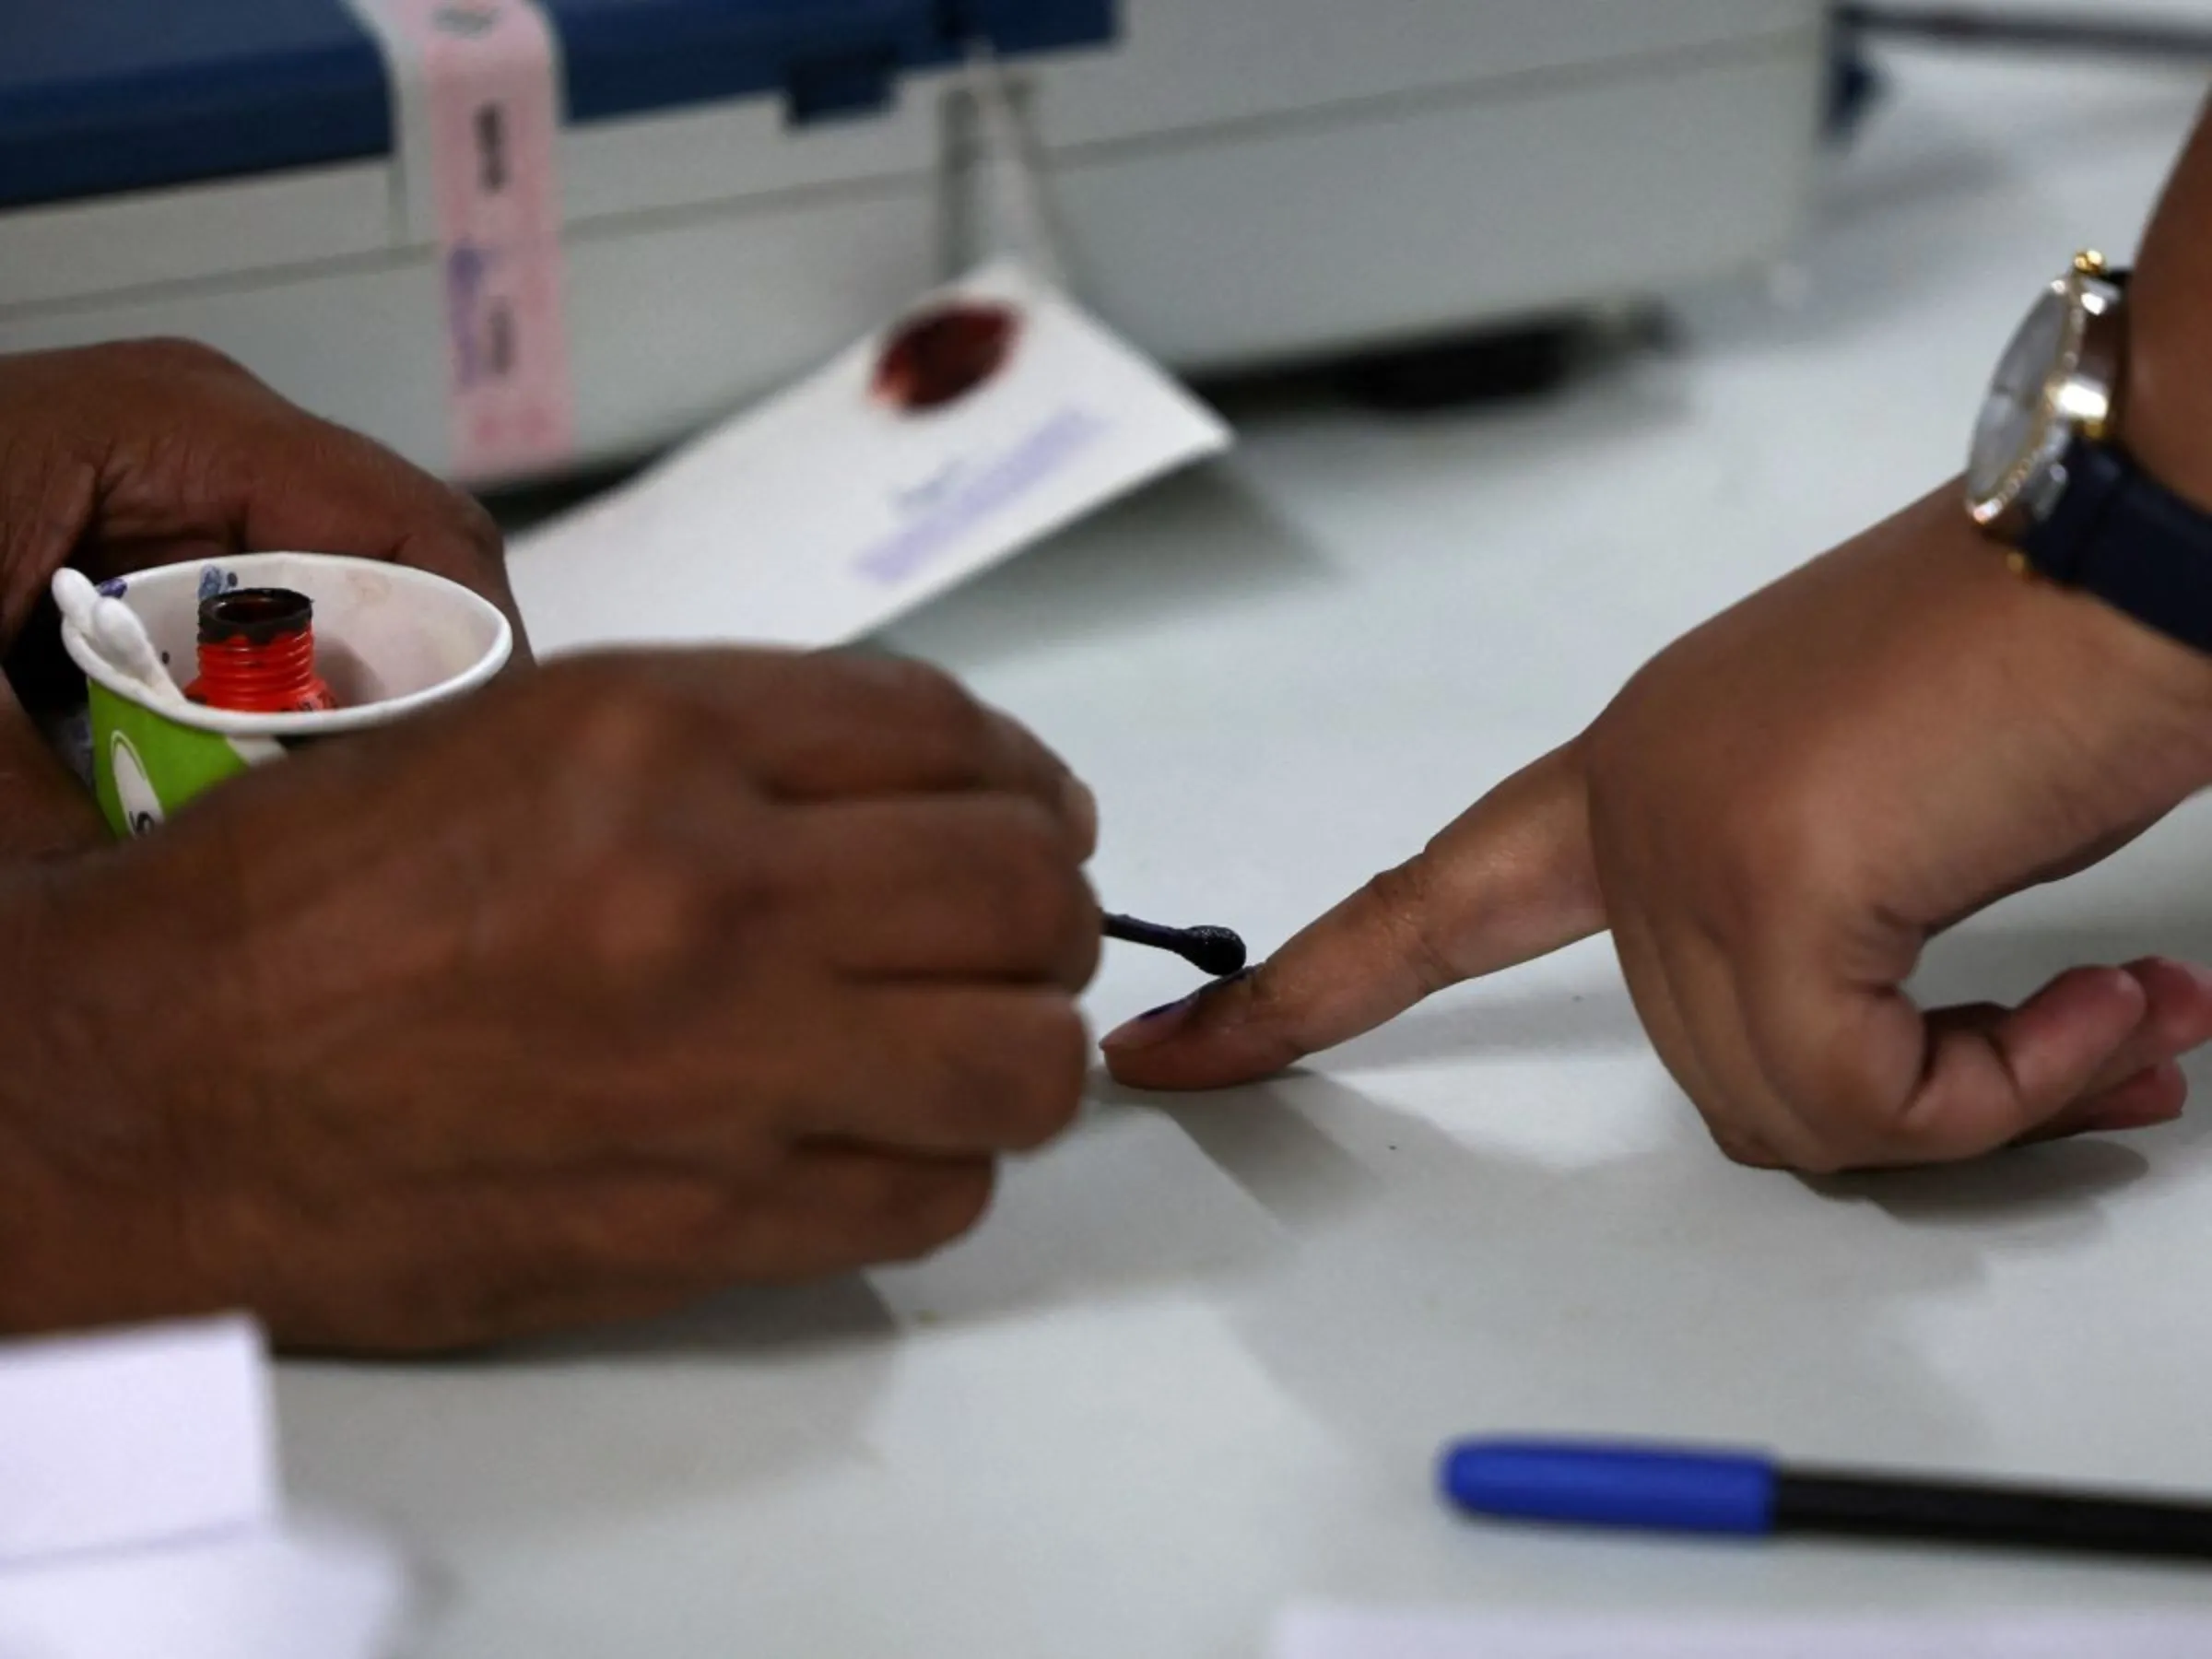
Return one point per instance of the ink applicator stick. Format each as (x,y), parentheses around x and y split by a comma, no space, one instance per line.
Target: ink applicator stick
(1212,950)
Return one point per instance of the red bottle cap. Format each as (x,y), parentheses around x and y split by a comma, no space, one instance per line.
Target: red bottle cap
(257,653)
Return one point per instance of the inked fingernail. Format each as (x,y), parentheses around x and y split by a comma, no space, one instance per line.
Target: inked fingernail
(1165,1014)
(1156,1024)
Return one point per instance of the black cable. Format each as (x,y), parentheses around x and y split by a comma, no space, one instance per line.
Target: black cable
(2055,30)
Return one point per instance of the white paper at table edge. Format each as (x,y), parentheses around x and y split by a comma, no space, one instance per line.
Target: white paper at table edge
(1322,1631)
(126,1438)
(1004,278)
(317,1589)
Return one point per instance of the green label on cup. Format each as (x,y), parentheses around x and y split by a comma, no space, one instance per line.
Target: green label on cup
(145,765)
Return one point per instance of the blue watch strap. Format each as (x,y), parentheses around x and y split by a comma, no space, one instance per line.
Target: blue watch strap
(2119,534)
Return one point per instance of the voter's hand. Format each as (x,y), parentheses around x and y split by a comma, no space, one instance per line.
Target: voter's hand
(628,979)
(1773,817)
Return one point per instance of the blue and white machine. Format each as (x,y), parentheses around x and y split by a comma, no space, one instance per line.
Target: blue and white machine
(747,185)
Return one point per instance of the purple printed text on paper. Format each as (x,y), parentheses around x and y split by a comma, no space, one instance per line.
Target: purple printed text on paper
(900,555)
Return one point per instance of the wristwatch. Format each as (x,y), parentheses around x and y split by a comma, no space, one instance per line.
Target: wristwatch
(2048,475)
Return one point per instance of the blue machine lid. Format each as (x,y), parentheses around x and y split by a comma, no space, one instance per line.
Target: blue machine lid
(625,57)
(126,94)
(112,95)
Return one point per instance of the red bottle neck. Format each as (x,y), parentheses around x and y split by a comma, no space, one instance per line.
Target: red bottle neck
(269,679)
(257,653)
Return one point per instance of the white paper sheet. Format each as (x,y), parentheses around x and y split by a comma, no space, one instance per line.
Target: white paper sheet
(824,513)
(1351,1633)
(307,1592)
(141,1514)
(135,1437)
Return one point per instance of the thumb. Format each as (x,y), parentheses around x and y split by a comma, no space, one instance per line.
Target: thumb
(1511,878)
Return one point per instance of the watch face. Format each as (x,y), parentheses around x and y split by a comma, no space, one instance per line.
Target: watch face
(2014,421)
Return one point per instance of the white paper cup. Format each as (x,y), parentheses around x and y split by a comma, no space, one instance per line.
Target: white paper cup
(389,641)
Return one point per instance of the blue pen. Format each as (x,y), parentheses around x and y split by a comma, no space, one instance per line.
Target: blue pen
(1748,1494)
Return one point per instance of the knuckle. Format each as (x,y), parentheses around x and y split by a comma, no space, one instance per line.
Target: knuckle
(1401,891)
(1086,940)
(1831,1132)
(1748,1150)
(1047,1089)
(1403,897)
(175,354)
(1738,1150)
(934,701)
(1040,883)
(1820,1156)
(947,1205)
(646,897)
(620,724)
(1017,1091)
(474,525)
(1849,1115)
(644,923)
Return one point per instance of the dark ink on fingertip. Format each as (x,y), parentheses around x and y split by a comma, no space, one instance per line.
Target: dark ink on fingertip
(1169,1007)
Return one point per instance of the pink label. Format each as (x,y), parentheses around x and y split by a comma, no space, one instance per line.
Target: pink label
(491,102)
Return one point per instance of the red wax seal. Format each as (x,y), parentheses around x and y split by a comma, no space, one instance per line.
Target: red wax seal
(941,355)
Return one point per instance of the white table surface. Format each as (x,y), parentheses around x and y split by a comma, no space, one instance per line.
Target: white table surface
(1198,1362)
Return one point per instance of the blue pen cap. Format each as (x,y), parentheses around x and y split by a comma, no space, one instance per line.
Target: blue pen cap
(1595,1484)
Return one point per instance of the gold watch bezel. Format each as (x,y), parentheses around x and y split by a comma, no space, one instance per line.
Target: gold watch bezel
(2080,395)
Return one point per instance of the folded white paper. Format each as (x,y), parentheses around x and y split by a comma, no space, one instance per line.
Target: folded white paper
(1349,1633)
(824,513)
(307,1592)
(133,1438)
(141,1512)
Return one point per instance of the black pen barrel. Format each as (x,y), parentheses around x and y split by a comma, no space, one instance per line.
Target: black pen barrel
(2018,1517)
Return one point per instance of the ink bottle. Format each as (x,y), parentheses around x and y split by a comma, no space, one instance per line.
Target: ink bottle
(257,653)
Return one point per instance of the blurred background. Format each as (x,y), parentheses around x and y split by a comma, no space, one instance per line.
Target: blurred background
(1435,199)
